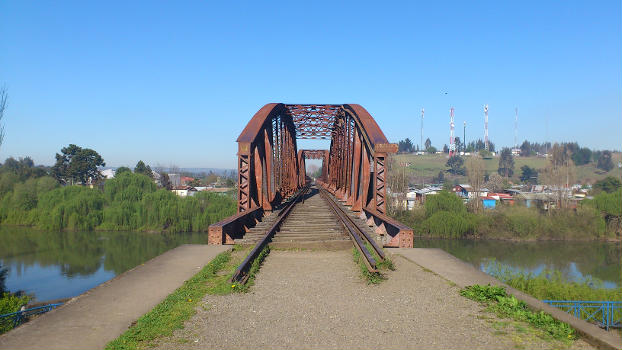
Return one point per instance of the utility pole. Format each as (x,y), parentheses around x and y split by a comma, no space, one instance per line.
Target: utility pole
(486,127)
(464,138)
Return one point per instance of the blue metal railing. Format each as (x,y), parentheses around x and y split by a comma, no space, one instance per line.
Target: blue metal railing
(14,319)
(607,314)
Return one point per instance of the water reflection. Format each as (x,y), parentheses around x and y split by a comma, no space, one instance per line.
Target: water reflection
(576,260)
(54,265)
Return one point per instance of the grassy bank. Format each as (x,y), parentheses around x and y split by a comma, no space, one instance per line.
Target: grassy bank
(552,285)
(445,216)
(180,305)
(503,305)
(129,202)
(423,168)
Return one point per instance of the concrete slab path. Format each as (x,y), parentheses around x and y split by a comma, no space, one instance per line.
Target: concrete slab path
(463,274)
(98,316)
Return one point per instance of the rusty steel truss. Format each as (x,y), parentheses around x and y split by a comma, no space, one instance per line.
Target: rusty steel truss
(271,168)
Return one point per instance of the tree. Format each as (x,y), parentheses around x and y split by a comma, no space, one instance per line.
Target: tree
(458,144)
(525,149)
(445,148)
(77,165)
(475,173)
(141,168)
(495,183)
(428,143)
(431,150)
(529,175)
(582,156)
(506,163)
(440,178)
(609,184)
(405,146)
(455,164)
(122,170)
(604,161)
(559,172)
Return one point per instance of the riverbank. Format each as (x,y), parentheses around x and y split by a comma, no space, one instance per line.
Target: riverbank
(444,215)
(114,305)
(129,202)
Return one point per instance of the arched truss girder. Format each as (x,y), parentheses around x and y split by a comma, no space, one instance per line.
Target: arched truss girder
(271,168)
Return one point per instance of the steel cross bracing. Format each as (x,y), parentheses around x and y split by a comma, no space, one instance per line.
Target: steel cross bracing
(271,168)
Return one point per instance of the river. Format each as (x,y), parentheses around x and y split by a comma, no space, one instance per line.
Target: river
(576,260)
(54,265)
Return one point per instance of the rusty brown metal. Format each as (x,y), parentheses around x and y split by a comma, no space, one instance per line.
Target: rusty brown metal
(271,168)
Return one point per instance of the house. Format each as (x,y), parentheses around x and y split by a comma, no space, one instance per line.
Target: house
(108,173)
(414,196)
(186,180)
(184,191)
(467,192)
(489,202)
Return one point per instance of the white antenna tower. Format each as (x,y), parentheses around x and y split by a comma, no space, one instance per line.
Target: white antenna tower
(452,145)
(422,113)
(486,127)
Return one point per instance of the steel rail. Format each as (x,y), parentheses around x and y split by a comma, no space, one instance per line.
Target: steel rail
(361,233)
(241,273)
(353,231)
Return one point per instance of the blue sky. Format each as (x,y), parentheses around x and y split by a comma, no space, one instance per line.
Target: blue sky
(176,82)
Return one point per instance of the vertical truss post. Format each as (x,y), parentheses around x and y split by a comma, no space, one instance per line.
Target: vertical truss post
(243,176)
(380,190)
(354,198)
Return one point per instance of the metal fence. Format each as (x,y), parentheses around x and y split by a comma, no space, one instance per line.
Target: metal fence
(14,319)
(607,314)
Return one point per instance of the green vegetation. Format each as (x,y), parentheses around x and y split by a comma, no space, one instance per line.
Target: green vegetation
(608,184)
(180,305)
(424,168)
(382,266)
(10,303)
(445,216)
(77,165)
(171,313)
(503,305)
(129,202)
(552,285)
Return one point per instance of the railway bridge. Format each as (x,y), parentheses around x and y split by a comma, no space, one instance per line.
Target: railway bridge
(272,177)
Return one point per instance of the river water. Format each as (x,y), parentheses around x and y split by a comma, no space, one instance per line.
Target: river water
(576,260)
(53,265)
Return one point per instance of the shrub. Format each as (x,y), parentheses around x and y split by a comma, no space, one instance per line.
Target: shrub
(443,201)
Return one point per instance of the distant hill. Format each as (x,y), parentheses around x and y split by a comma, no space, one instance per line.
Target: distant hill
(423,168)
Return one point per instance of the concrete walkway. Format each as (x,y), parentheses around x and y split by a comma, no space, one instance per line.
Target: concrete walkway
(98,316)
(463,274)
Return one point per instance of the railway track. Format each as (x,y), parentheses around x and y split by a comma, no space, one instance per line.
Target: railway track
(318,220)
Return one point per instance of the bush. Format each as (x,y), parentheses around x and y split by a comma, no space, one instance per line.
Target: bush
(444,224)
(443,201)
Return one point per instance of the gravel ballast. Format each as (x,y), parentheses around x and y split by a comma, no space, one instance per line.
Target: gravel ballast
(317,300)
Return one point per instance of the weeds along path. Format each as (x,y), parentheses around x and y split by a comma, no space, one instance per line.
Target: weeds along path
(317,300)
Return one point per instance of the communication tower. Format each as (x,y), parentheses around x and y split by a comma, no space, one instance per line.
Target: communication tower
(452,145)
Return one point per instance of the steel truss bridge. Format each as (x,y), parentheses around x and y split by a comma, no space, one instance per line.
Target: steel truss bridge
(271,168)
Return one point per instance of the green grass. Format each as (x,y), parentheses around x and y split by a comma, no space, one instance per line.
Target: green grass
(427,166)
(552,285)
(504,305)
(372,277)
(180,305)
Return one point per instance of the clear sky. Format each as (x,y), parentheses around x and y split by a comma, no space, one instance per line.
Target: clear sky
(176,82)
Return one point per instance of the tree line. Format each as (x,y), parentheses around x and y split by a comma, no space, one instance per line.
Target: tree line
(45,198)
